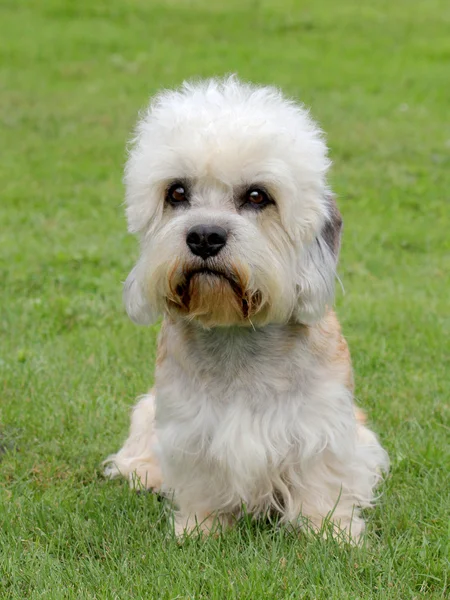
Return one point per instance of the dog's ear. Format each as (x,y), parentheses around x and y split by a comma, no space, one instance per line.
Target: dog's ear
(317,268)
(137,305)
(332,230)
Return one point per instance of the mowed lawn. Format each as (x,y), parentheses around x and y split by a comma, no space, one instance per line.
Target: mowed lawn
(74,75)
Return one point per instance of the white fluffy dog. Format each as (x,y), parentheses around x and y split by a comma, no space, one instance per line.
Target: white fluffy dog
(253,399)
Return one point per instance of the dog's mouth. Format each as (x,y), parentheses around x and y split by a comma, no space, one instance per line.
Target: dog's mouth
(212,289)
(205,271)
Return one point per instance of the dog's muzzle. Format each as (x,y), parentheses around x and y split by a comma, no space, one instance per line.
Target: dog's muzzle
(208,291)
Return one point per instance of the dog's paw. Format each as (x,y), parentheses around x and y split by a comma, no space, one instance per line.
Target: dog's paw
(202,524)
(142,473)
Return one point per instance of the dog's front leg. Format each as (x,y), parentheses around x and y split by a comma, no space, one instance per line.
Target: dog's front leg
(335,489)
(200,523)
(136,460)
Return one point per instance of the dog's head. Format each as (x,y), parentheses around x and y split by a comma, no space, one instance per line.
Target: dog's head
(226,187)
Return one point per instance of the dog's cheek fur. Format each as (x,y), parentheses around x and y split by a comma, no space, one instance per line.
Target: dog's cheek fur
(316,270)
(146,286)
(315,283)
(136,304)
(274,269)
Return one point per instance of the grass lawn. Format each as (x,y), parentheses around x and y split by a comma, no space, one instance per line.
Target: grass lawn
(73,76)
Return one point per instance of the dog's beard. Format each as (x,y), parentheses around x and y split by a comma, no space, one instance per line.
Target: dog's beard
(213,296)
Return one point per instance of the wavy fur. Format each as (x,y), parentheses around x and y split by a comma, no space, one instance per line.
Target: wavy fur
(253,400)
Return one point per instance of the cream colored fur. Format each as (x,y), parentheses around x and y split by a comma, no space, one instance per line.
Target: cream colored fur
(253,399)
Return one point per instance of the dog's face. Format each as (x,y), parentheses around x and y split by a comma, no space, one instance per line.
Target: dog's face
(226,189)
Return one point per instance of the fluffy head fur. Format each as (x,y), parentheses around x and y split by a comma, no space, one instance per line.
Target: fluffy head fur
(260,415)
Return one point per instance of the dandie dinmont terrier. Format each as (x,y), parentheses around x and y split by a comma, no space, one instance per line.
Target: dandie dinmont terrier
(239,234)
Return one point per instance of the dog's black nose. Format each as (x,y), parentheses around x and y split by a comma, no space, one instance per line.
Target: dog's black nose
(206,240)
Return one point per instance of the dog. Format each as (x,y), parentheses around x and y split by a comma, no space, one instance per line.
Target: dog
(252,408)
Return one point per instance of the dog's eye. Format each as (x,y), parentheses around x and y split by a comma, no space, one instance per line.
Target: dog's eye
(176,194)
(256,198)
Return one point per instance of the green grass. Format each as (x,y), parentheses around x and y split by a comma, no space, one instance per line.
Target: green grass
(73,76)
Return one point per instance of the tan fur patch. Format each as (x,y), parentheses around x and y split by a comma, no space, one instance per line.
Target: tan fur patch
(360,415)
(328,343)
(161,352)
(213,301)
(214,298)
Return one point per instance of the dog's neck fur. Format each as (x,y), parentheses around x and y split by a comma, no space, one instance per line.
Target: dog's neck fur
(225,344)
(282,357)
(235,355)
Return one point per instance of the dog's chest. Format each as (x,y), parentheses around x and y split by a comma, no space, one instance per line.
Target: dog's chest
(227,403)
(247,409)
(230,435)
(211,378)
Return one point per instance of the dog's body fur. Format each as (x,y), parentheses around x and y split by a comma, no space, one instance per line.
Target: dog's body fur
(253,398)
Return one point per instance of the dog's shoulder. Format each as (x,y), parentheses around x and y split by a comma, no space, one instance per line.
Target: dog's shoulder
(329,346)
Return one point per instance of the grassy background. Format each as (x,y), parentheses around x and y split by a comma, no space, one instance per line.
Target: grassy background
(73,76)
